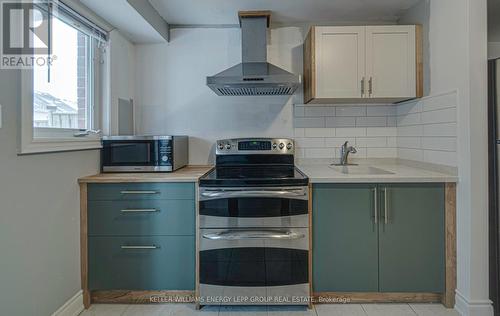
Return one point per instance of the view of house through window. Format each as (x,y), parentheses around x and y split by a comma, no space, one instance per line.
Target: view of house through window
(61,96)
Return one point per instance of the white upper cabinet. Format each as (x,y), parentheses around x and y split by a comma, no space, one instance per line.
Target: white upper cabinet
(390,61)
(341,53)
(350,64)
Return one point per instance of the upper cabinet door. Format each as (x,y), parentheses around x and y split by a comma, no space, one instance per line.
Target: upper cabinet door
(340,61)
(391,61)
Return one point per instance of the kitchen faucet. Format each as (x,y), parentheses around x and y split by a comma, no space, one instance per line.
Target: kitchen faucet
(344,153)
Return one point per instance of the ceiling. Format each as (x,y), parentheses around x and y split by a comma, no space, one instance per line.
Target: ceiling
(124,17)
(224,12)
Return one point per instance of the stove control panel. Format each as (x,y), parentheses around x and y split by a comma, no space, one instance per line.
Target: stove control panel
(245,146)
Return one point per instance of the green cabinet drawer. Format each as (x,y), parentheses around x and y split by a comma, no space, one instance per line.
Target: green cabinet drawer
(142,263)
(345,246)
(140,191)
(141,217)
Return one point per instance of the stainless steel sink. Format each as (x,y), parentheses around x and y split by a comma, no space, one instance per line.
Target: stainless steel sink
(360,170)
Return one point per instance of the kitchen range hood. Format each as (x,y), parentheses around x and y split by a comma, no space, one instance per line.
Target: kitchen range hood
(254,76)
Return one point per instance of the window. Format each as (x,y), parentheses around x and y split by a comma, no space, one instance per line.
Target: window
(63,100)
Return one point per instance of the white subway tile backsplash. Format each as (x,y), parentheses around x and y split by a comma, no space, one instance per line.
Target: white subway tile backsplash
(392,121)
(409,142)
(350,110)
(350,132)
(381,131)
(309,122)
(372,142)
(319,153)
(448,115)
(371,121)
(340,121)
(408,108)
(440,143)
(381,110)
(299,132)
(339,141)
(414,130)
(423,130)
(319,111)
(440,102)
(411,154)
(319,132)
(409,119)
(382,152)
(298,111)
(443,129)
(392,142)
(310,142)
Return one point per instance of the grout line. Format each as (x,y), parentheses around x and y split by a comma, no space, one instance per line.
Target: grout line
(364,310)
(413,309)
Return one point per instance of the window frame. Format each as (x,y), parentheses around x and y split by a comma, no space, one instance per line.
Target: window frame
(46,139)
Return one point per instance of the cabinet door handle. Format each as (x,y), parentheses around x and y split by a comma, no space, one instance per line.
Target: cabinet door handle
(362,87)
(386,207)
(138,192)
(375,202)
(140,247)
(370,86)
(140,210)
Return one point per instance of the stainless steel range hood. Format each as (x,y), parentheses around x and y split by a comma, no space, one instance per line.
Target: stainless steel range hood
(254,76)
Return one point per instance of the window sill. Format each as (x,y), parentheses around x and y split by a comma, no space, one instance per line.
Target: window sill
(41,146)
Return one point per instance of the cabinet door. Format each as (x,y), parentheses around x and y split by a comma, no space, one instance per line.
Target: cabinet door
(345,242)
(390,61)
(411,238)
(340,61)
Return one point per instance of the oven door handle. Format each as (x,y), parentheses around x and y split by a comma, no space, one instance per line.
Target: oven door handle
(253,234)
(282,193)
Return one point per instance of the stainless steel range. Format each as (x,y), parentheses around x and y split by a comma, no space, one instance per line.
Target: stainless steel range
(254,226)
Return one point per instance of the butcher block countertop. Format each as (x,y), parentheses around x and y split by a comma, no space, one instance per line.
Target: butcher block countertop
(186,174)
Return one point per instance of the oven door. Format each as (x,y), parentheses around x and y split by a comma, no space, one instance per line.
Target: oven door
(254,266)
(254,207)
(129,155)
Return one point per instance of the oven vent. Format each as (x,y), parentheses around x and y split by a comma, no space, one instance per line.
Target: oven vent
(229,91)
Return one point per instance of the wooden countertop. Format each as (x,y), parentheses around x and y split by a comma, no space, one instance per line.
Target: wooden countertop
(186,174)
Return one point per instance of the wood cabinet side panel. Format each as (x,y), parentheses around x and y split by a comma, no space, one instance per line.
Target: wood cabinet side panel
(419,61)
(309,66)
(450,245)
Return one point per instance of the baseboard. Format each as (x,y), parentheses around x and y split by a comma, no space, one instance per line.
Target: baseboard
(472,307)
(72,307)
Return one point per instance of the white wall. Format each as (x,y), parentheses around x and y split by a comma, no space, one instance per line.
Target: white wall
(122,77)
(39,217)
(174,99)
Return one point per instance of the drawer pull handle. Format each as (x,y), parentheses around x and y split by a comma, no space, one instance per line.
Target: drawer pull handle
(140,247)
(140,210)
(139,192)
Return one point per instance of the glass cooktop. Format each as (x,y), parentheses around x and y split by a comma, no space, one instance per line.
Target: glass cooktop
(270,175)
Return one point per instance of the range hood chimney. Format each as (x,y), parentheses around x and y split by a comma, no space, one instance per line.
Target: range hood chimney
(254,76)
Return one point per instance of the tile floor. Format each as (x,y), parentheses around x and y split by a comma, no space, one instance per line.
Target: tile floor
(318,310)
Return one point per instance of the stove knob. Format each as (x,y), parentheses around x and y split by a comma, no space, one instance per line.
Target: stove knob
(221,146)
(282,145)
(289,146)
(275,146)
(228,146)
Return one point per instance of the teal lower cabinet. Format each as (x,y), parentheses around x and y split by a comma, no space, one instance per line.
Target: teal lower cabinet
(345,246)
(142,263)
(378,238)
(141,236)
(411,238)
